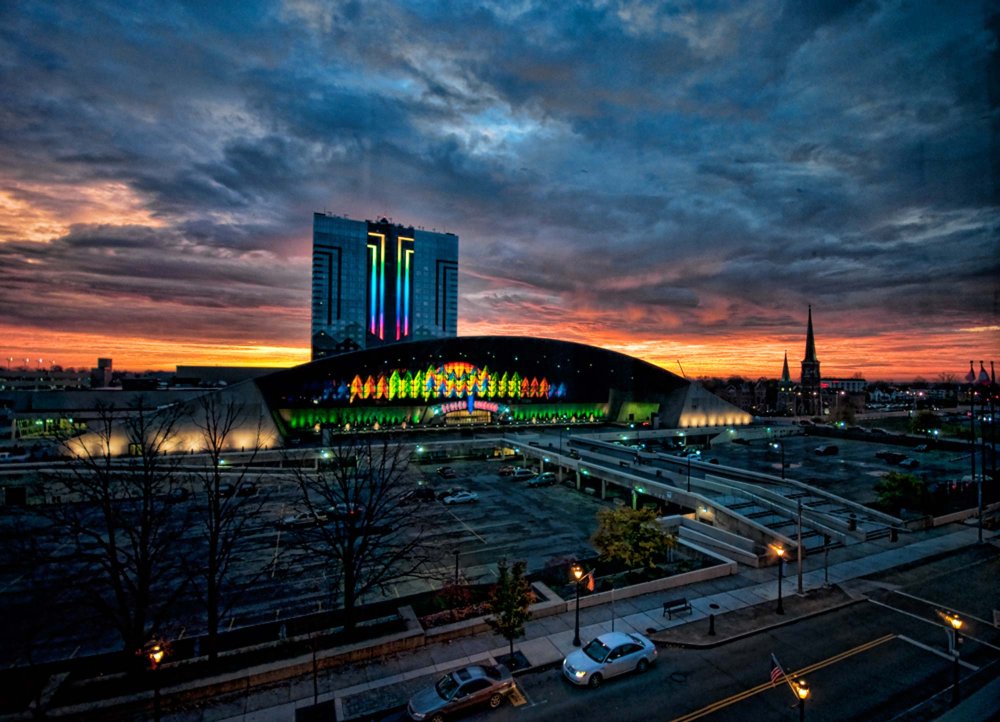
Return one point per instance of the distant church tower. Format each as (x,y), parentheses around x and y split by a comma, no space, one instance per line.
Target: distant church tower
(812,392)
(786,391)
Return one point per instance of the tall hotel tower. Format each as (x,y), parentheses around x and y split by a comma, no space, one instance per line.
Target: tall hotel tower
(376,283)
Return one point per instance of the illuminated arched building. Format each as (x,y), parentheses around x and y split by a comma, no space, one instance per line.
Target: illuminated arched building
(462,381)
(485,380)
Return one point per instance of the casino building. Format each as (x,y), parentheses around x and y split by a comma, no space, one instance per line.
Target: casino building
(376,283)
(470,381)
(484,380)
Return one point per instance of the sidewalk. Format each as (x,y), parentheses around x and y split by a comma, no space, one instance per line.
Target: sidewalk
(360,691)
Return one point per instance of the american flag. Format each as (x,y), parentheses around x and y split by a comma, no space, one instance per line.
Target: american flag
(776,671)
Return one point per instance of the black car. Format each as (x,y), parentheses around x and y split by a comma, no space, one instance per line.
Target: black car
(446,472)
(421,493)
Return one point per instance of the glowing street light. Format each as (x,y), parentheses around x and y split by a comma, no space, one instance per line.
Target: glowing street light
(780,551)
(780,447)
(577,572)
(953,623)
(154,652)
(802,692)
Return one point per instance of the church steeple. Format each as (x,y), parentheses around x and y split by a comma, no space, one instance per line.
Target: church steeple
(811,381)
(786,377)
(810,340)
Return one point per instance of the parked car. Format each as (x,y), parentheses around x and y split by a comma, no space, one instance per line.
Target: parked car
(826,450)
(303,520)
(247,488)
(909,463)
(343,510)
(420,493)
(889,457)
(505,470)
(574,454)
(446,472)
(546,478)
(521,473)
(460,690)
(461,497)
(226,490)
(607,656)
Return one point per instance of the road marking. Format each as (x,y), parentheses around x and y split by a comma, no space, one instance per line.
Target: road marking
(516,697)
(740,696)
(467,527)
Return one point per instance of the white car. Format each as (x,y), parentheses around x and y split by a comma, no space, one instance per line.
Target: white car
(607,656)
(461,497)
(303,520)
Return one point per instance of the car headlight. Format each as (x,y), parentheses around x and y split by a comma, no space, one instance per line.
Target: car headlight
(579,674)
(416,715)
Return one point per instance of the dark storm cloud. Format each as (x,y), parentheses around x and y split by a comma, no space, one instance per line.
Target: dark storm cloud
(676,165)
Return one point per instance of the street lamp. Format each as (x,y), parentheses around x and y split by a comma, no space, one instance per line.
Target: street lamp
(780,551)
(954,623)
(802,692)
(781,447)
(154,652)
(577,572)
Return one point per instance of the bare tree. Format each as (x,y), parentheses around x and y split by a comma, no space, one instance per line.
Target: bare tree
(117,514)
(366,525)
(231,500)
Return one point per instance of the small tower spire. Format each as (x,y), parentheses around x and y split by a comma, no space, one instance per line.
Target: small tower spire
(785,375)
(812,387)
(810,339)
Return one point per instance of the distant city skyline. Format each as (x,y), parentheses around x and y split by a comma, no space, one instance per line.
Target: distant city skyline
(678,183)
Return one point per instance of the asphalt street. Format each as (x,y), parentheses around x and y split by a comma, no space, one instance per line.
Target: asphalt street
(878,659)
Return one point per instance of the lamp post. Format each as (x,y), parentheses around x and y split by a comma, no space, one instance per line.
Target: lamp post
(577,572)
(780,551)
(953,623)
(802,692)
(781,447)
(155,651)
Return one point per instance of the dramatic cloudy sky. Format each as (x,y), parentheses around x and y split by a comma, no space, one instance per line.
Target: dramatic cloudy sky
(675,180)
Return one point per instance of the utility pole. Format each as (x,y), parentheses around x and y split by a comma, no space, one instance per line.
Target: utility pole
(799,543)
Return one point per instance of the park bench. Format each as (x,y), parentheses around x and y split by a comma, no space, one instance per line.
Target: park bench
(676,606)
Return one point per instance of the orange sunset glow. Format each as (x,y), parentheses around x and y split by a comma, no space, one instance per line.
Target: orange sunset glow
(678,190)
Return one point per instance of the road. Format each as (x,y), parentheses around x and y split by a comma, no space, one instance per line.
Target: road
(874,660)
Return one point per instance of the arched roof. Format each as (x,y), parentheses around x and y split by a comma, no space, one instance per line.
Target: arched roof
(585,372)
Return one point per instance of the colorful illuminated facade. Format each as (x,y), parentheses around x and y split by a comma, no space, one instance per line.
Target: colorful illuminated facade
(479,380)
(489,382)
(377,283)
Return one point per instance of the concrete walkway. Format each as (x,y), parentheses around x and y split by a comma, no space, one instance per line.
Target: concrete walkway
(359,691)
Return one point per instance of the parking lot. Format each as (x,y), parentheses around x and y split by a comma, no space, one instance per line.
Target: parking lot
(852,472)
(510,519)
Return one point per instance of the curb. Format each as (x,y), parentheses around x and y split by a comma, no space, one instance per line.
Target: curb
(751,632)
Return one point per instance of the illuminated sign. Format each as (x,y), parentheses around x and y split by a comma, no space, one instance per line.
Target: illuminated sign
(456,380)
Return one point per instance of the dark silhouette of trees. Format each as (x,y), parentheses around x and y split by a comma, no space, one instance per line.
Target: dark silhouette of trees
(116,513)
(228,498)
(509,601)
(368,532)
